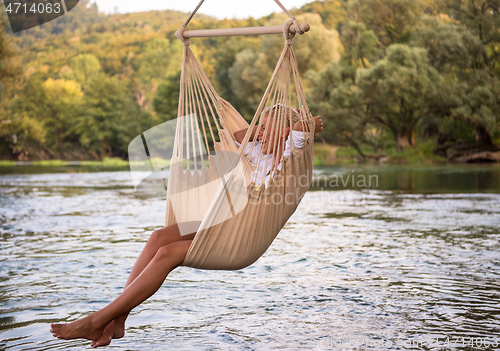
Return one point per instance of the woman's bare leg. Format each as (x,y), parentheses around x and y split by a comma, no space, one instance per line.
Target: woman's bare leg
(146,284)
(159,238)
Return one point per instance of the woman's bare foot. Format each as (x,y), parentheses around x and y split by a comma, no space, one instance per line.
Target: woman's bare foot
(80,329)
(114,330)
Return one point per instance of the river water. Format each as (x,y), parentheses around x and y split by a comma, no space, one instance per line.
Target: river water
(410,261)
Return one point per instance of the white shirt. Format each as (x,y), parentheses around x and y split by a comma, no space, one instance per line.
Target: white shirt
(298,142)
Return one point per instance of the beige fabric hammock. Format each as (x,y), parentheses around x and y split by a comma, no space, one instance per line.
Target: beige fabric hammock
(210,188)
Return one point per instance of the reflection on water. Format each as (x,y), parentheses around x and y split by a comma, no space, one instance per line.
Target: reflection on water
(383,267)
(451,178)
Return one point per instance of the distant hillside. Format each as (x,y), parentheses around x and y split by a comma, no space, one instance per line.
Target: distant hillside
(385,76)
(85,18)
(78,19)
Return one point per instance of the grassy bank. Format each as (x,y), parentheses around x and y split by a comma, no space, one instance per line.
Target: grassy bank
(324,155)
(106,162)
(329,155)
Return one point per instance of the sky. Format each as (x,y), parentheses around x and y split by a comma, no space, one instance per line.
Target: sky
(217,8)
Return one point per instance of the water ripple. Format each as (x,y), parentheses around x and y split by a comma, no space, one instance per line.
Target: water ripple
(372,265)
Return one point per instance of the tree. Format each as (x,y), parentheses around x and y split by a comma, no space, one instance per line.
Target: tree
(391,20)
(249,76)
(109,118)
(482,17)
(160,59)
(74,21)
(360,43)
(59,113)
(166,99)
(84,67)
(336,97)
(333,12)
(315,49)
(458,55)
(10,83)
(451,47)
(252,69)
(400,90)
(480,108)
(25,133)
(227,49)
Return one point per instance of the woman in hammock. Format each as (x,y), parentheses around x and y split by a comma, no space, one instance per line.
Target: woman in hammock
(166,248)
(267,139)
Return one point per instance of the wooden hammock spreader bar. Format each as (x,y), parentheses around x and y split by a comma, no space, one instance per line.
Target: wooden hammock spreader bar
(228,32)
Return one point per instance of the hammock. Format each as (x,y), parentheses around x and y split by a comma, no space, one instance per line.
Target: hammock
(211,188)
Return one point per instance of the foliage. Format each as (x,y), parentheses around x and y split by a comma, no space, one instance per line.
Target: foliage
(83,67)
(252,68)
(167,97)
(10,79)
(399,90)
(390,77)
(109,117)
(333,12)
(159,60)
(62,101)
(473,89)
(391,20)
(422,154)
(482,18)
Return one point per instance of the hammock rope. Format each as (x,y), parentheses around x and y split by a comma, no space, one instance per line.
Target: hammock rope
(234,220)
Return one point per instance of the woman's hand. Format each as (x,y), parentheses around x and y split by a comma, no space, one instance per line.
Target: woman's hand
(318,125)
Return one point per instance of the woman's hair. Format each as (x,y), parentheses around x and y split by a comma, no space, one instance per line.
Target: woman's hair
(290,114)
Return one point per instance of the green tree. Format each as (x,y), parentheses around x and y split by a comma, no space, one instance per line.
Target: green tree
(363,106)
(391,20)
(482,17)
(11,128)
(400,90)
(458,55)
(25,133)
(160,59)
(59,113)
(480,108)
(360,43)
(227,49)
(166,99)
(336,96)
(249,76)
(452,48)
(333,12)
(109,117)
(252,69)
(84,67)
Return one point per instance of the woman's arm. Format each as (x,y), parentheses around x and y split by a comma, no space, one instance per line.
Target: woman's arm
(318,123)
(240,134)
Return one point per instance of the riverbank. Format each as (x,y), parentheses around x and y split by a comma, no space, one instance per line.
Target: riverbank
(419,155)
(107,161)
(324,155)
(330,155)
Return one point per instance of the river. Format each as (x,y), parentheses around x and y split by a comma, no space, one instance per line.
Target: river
(408,261)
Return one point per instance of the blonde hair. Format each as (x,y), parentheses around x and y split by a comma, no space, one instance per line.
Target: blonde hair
(290,114)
